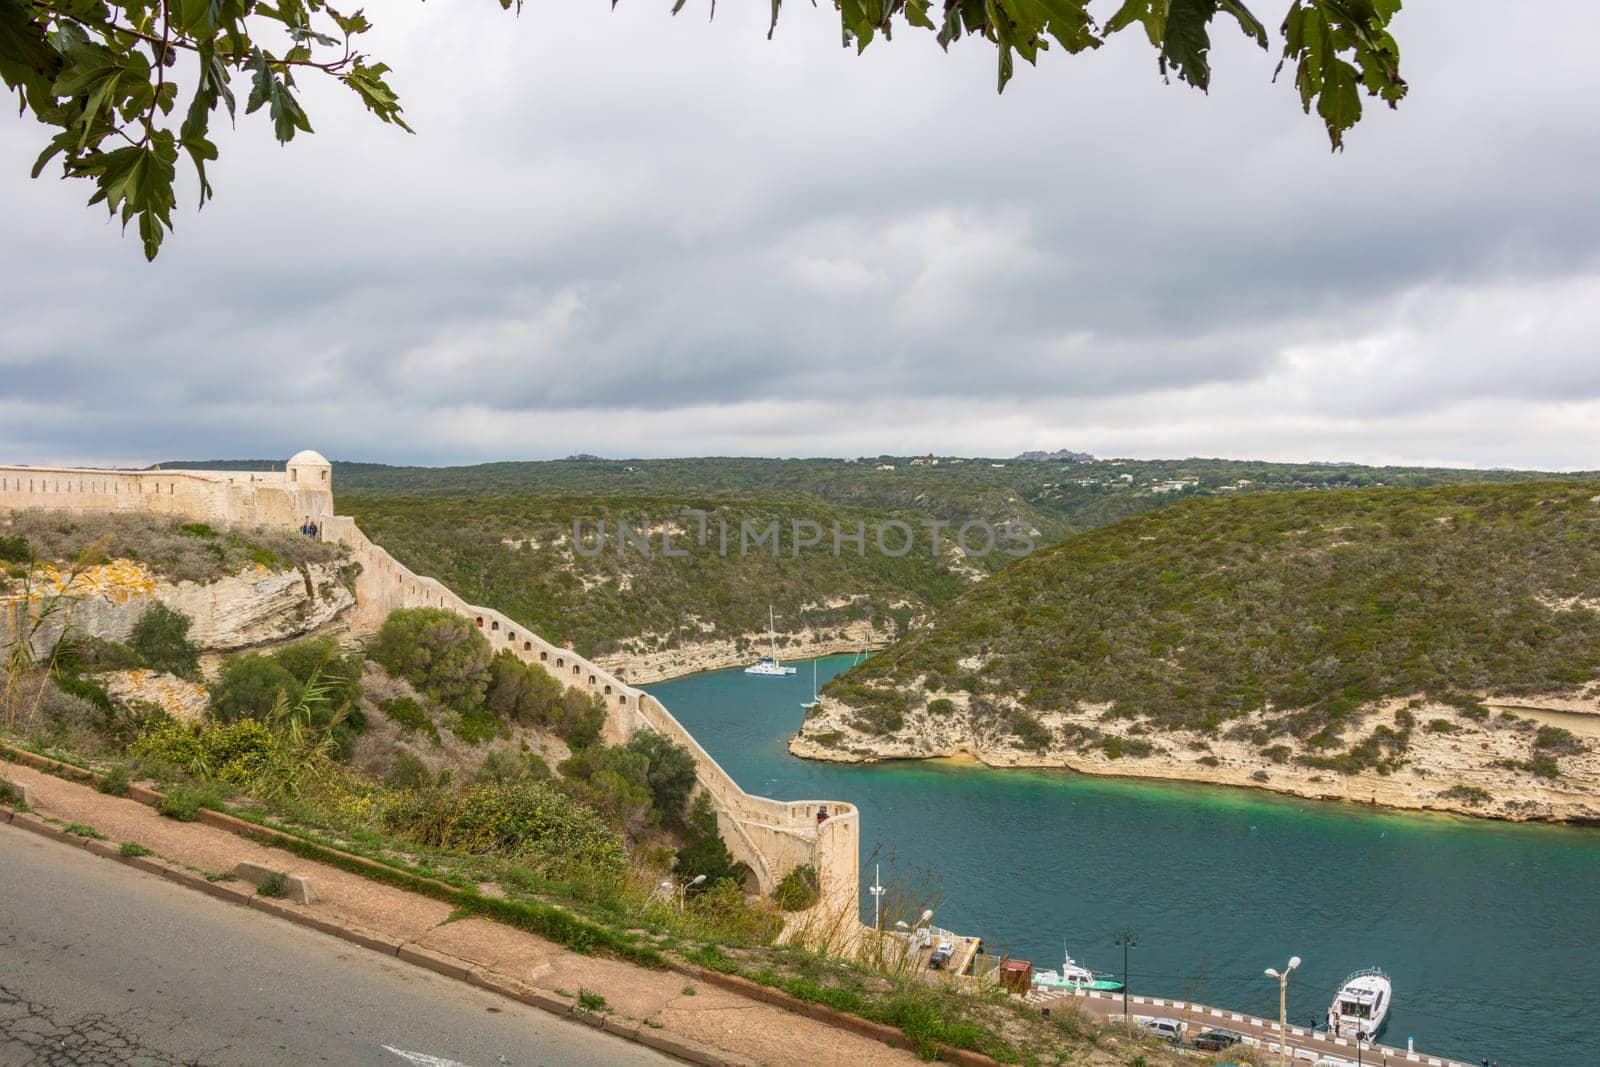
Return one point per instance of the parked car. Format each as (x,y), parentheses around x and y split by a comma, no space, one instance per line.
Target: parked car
(1167,1029)
(1218,1040)
(941,956)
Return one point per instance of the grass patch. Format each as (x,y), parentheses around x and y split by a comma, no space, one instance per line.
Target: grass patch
(133,848)
(115,781)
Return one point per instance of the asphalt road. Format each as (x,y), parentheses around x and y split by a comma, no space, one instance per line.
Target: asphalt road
(101,964)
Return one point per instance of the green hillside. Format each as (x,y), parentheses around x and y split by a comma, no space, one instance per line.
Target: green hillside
(469,526)
(1312,603)
(1057,498)
(515,553)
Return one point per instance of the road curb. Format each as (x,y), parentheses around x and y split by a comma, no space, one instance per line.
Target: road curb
(449,967)
(415,955)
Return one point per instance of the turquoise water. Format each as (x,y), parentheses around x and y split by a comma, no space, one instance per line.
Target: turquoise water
(1491,932)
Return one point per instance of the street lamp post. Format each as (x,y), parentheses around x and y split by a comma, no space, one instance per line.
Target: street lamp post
(876,889)
(1125,940)
(1283,1007)
(682,888)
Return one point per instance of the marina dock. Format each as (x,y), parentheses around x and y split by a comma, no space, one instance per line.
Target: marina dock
(1304,1046)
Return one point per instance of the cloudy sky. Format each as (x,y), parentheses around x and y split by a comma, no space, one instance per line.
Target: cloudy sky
(637,235)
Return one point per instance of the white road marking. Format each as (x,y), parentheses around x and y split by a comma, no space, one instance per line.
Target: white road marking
(423,1059)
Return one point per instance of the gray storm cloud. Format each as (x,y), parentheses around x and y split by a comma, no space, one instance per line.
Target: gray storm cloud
(626,233)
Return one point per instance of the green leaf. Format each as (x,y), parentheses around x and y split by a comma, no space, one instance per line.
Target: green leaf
(136,182)
(270,91)
(375,92)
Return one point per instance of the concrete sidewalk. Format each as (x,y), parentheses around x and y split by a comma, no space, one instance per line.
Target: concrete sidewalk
(712,1026)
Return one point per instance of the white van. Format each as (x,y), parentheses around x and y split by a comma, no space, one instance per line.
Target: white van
(1166,1029)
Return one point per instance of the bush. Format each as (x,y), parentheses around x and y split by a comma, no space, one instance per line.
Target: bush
(115,781)
(522,692)
(410,717)
(250,685)
(527,821)
(1277,753)
(319,658)
(797,890)
(1555,741)
(941,706)
(14,550)
(1441,726)
(583,716)
(503,765)
(408,772)
(1467,794)
(161,641)
(235,753)
(670,773)
(705,854)
(720,910)
(439,652)
(613,780)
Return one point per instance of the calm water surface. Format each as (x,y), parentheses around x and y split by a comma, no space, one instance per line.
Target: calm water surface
(1490,932)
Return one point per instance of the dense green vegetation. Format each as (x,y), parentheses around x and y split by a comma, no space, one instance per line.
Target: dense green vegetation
(500,533)
(173,549)
(1313,604)
(516,553)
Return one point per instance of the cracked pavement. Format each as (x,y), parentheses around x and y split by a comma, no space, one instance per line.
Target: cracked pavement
(103,965)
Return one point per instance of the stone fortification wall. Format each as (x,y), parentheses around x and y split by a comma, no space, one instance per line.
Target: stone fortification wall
(264,499)
(770,837)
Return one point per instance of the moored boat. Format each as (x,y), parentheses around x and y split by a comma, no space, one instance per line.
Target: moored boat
(770,664)
(1074,976)
(1361,1006)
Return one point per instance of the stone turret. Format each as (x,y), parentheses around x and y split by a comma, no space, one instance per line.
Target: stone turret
(311,480)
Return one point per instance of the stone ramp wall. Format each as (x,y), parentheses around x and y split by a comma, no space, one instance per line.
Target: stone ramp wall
(769,836)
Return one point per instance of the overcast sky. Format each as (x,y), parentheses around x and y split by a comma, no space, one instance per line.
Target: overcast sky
(637,235)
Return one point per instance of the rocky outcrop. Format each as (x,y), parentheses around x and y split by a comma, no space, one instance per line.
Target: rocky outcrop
(1450,762)
(718,653)
(255,607)
(182,699)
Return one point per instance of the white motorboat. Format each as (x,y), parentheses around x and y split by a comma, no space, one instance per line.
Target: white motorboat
(1361,1006)
(1074,976)
(770,665)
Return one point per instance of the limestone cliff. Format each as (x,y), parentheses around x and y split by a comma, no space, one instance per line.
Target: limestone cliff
(1535,759)
(258,606)
(717,653)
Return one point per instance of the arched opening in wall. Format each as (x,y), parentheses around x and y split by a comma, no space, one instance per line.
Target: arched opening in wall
(480,622)
(622,702)
(559,662)
(494,624)
(294,475)
(527,646)
(544,657)
(752,884)
(511,635)
(324,475)
(608,690)
(576,669)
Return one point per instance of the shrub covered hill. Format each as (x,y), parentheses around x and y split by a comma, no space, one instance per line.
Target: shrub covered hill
(501,534)
(1266,635)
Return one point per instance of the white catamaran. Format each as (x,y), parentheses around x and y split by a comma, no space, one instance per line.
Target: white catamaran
(770,664)
(1361,1005)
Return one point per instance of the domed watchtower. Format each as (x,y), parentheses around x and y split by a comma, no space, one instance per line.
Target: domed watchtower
(311,480)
